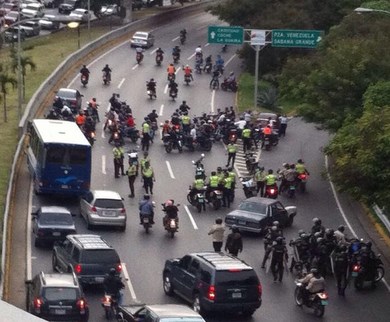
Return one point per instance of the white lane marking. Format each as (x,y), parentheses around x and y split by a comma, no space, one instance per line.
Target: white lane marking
(176,38)
(28,244)
(128,282)
(206,44)
(34,257)
(153,51)
(231,58)
(103,133)
(189,58)
(170,169)
(121,83)
(191,218)
(166,89)
(161,110)
(135,66)
(104,164)
(177,70)
(342,211)
(212,101)
(108,107)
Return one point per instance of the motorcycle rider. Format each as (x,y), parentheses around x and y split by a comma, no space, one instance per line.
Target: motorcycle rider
(107,71)
(367,261)
(214,184)
(188,72)
(290,176)
(197,186)
(341,264)
(58,104)
(267,132)
(183,33)
(146,209)
(215,78)
(340,236)
(173,86)
(176,53)
(84,71)
(160,53)
(270,180)
(94,107)
(208,61)
(171,212)
(219,64)
(186,122)
(112,285)
(314,282)
(184,107)
(259,178)
(301,168)
(198,52)
(139,51)
(279,255)
(317,226)
(151,86)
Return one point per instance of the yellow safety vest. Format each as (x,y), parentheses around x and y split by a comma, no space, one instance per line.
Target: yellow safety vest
(143,161)
(117,153)
(228,183)
(214,181)
(199,184)
(132,171)
(232,175)
(259,176)
(246,133)
(231,148)
(145,128)
(148,173)
(186,120)
(270,179)
(300,168)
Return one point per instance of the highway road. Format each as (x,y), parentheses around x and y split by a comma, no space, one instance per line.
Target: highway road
(144,255)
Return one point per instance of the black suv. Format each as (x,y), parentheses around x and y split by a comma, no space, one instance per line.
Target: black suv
(56,297)
(88,256)
(213,282)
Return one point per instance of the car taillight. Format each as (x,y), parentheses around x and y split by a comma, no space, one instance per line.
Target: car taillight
(77,268)
(38,302)
(356,268)
(123,211)
(211,293)
(81,304)
(93,209)
(260,290)
(119,268)
(234,270)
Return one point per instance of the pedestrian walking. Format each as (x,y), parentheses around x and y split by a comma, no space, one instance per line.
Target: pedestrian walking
(259,177)
(283,125)
(119,155)
(146,138)
(132,174)
(340,268)
(234,242)
(148,177)
(279,256)
(232,150)
(217,231)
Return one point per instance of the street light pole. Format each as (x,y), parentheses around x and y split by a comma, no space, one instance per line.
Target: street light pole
(89,20)
(19,61)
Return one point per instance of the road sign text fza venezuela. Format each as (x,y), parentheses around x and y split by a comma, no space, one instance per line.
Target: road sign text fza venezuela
(296,38)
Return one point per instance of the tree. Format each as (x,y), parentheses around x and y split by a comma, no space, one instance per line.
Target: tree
(25,61)
(5,80)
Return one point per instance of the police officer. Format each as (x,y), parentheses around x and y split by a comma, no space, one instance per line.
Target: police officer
(317,226)
(269,239)
(232,150)
(132,173)
(227,190)
(246,138)
(186,122)
(146,138)
(118,153)
(214,182)
(144,160)
(270,180)
(148,177)
(197,186)
(340,266)
(259,178)
(279,255)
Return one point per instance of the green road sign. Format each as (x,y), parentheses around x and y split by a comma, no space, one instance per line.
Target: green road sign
(296,38)
(225,35)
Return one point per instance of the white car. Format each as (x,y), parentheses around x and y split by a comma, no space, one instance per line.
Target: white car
(33,10)
(108,10)
(142,39)
(80,14)
(47,22)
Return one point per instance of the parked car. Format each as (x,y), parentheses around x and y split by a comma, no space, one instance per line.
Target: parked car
(8,6)
(56,297)
(109,9)
(80,14)
(33,10)
(11,34)
(12,17)
(142,39)
(32,28)
(90,257)
(69,5)
(162,312)
(103,207)
(48,23)
(52,224)
(256,213)
(71,98)
(213,282)
(51,3)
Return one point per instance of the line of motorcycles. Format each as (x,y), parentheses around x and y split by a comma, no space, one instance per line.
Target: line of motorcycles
(171,225)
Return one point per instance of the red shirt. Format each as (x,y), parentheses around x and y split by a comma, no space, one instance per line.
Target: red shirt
(130,121)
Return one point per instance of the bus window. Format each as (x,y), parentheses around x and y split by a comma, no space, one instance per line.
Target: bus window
(54,155)
(77,156)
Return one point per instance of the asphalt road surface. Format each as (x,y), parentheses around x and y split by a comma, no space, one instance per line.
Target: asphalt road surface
(144,255)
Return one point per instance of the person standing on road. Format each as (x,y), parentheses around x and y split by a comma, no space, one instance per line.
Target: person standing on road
(118,153)
(259,177)
(148,177)
(246,138)
(232,150)
(340,266)
(283,125)
(132,173)
(279,255)
(227,190)
(234,242)
(217,231)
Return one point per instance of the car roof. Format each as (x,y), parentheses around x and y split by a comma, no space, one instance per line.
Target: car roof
(266,201)
(89,241)
(172,310)
(59,279)
(67,90)
(106,194)
(141,33)
(222,261)
(54,209)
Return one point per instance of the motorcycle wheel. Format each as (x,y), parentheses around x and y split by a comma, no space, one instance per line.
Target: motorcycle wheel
(189,199)
(358,283)
(217,204)
(199,207)
(298,296)
(146,229)
(168,148)
(302,187)
(172,233)
(380,272)
(180,149)
(319,309)
(223,87)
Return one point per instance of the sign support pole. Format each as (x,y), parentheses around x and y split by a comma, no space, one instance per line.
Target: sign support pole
(257,49)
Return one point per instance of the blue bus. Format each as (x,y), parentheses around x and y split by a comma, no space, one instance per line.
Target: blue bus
(59,158)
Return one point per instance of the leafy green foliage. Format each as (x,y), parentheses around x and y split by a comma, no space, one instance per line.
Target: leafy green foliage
(268,98)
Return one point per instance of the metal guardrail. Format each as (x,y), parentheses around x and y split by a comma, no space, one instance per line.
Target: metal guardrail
(47,88)
(382,216)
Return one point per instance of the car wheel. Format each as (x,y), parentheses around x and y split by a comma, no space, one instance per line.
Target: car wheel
(290,221)
(89,226)
(196,306)
(167,284)
(37,242)
(122,228)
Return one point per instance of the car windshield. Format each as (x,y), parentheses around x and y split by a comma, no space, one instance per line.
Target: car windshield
(13,14)
(256,207)
(108,203)
(59,293)
(66,94)
(140,35)
(55,219)
(100,256)
(231,278)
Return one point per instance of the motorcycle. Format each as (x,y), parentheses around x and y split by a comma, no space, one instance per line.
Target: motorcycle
(271,192)
(267,143)
(289,189)
(90,135)
(139,57)
(220,68)
(159,59)
(171,77)
(116,137)
(199,200)
(361,275)
(214,83)
(176,58)
(172,142)
(187,79)
(173,94)
(232,86)
(215,198)
(198,67)
(146,223)
(150,91)
(84,80)
(208,67)
(249,187)
(316,301)
(251,162)
(106,78)
(110,305)
(171,225)
(182,39)
(231,136)
(224,48)
(302,179)
(131,132)
(199,167)
(201,143)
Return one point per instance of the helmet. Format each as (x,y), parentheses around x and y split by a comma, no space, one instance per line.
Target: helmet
(300,161)
(184,102)
(213,173)
(146,118)
(275,223)
(146,196)
(270,171)
(317,234)
(230,169)
(319,240)
(219,169)
(317,221)
(152,80)
(112,271)
(314,270)
(279,240)
(231,73)
(106,65)
(274,228)
(187,65)
(341,228)
(329,232)
(301,232)
(146,154)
